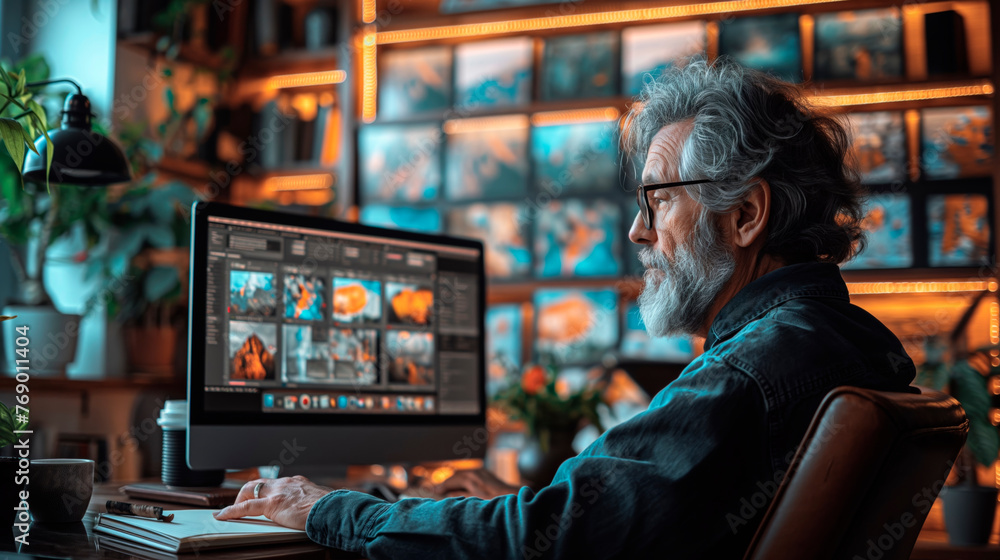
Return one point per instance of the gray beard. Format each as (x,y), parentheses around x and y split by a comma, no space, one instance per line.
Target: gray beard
(678,294)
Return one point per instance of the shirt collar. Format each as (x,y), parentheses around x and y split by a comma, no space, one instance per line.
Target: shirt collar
(773,289)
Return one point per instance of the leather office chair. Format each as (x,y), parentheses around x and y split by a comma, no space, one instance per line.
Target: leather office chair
(864,476)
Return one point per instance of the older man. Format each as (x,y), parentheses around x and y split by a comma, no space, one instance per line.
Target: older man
(746,208)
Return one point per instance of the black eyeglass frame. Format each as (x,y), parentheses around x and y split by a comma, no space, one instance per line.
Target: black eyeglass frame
(642,197)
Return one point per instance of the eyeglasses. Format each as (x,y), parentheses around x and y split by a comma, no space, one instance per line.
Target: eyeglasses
(642,194)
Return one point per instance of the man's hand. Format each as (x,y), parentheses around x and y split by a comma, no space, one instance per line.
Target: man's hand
(479,483)
(286,501)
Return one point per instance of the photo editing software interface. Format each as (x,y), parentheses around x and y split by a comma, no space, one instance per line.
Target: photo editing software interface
(312,321)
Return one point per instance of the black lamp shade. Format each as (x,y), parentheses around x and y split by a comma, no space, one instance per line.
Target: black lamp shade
(80,156)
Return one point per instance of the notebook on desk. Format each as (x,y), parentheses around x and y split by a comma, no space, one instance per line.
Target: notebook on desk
(209,496)
(195,530)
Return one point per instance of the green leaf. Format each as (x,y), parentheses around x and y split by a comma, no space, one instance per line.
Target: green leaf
(12,135)
(159,282)
(22,80)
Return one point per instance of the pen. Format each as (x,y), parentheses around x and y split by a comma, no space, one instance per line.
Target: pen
(125,508)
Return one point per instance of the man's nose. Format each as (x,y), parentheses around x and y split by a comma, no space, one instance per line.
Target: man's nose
(638,233)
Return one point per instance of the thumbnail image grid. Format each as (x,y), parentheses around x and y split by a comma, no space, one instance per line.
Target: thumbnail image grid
(357,301)
(305,297)
(252,349)
(252,293)
(354,353)
(410,303)
(410,357)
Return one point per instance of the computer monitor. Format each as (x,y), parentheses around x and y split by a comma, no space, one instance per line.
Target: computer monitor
(316,342)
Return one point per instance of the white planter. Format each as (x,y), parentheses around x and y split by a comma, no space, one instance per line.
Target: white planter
(50,338)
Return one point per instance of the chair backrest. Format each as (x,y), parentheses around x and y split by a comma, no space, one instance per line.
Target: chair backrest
(864,476)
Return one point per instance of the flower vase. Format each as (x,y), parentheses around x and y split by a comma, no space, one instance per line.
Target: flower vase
(538,463)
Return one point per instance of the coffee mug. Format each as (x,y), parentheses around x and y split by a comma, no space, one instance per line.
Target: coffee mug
(59,490)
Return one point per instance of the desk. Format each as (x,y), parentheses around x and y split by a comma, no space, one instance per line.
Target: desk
(81,541)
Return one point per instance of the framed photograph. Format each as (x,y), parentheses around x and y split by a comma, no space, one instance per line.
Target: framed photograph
(956,142)
(575,325)
(426,220)
(958,229)
(489,164)
(503,345)
(580,66)
(863,45)
(576,157)
(651,49)
(879,145)
(357,301)
(636,342)
(888,225)
(768,43)
(414,81)
(493,73)
(410,303)
(400,163)
(502,229)
(252,293)
(305,297)
(576,238)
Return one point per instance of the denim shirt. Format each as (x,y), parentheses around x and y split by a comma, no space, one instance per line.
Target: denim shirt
(688,478)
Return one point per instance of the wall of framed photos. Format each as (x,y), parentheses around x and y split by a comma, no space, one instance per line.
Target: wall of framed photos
(500,123)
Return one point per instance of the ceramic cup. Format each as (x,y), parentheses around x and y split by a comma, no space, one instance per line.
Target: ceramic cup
(59,490)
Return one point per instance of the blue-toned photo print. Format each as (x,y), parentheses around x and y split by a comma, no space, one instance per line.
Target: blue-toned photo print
(879,146)
(959,229)
(956,142)
(493,73)
(887,224)
(357,301)
(307,354)
(503,346)
(575,157)
(575,326)
(580,66)
(414,81)
(863,45)
(426,220)
(502,229)
(305,297)
(400,163)
(767,43)
(578,238)
(354,355)
(636,342)
(252,293)
(487,164)
(651,49)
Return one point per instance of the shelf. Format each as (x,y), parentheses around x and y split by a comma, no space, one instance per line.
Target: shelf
(194,170)
(146,42)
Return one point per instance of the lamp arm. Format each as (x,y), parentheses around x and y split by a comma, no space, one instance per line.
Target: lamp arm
(59,81)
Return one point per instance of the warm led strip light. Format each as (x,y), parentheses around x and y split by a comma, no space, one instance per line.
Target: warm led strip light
(368,11)
(369,71)
(307,79)
(299,182)
(579,20)
(868,288)
(985,87)
(575,115)
(506,122)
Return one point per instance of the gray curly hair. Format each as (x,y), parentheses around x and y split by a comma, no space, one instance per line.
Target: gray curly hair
(750,126)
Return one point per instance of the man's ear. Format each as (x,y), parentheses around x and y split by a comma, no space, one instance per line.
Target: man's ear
(750,218)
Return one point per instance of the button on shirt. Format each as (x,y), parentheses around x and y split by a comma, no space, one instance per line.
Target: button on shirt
(688,478)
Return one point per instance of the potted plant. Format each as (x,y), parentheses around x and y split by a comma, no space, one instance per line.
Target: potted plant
(145,264)
(32,216)
(552,412)
(969,507)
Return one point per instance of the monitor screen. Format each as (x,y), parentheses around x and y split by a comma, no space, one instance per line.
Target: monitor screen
(307,321)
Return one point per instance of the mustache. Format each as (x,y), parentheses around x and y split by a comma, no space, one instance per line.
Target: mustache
(652,258)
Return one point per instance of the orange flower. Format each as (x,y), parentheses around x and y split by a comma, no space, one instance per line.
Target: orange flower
(533,380)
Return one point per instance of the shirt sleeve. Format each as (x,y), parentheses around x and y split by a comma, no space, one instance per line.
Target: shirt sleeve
(677,470)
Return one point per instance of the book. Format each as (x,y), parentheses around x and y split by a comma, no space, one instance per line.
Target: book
(208,496)
(195,530)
